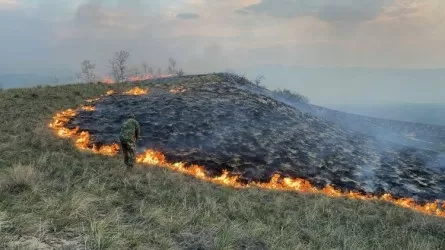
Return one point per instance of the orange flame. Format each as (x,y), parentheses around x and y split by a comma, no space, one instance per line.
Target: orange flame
(81,138)
(136,91)
(59,121)
(92,100)
(83,141)
(176,90)
(108,80)
(88,108)
(108,150)
(277,182)
(141,78)
(151,157)
(66,132)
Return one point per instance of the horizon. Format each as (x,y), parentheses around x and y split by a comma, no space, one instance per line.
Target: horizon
(51,39)
(270,82)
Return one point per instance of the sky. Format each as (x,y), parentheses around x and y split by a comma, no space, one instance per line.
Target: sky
(256,36)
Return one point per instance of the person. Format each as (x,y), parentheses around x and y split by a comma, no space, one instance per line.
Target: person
(129,134)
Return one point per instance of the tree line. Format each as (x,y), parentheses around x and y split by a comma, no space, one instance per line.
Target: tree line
(120,72)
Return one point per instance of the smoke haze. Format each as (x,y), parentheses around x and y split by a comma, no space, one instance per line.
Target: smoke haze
(329,50)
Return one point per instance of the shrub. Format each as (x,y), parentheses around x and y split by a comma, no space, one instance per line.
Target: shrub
(290,95)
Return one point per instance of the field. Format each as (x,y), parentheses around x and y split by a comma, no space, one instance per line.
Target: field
(54,196)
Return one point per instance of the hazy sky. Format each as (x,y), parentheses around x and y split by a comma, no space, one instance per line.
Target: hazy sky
(214,35)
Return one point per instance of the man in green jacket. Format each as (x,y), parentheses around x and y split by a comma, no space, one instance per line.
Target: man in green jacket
(130,133)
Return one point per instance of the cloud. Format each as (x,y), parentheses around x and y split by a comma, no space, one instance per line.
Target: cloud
(89,13)
(325,10)
(187,16)
(315,33)
(406,8)
(9,4)
(242,12)
(97,15)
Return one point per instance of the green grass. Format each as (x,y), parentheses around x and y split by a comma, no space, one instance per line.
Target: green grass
(52,195)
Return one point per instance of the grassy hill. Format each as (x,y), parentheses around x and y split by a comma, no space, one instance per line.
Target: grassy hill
(54,196)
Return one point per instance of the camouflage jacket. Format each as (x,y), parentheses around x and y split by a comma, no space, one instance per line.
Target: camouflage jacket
(130,130)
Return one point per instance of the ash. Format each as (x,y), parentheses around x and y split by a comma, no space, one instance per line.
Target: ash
(224,127)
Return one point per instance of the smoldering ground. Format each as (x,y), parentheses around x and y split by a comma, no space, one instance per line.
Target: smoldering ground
(398,133)
(222,127)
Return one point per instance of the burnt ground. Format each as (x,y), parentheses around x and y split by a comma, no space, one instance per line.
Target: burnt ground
(411,134)
(224,125)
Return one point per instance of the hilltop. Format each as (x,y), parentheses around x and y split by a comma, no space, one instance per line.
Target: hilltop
(224,126)
(53,195)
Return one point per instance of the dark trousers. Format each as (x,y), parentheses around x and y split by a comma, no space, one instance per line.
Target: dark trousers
(129,152)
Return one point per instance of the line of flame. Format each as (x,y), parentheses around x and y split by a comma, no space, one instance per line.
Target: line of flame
(81,138)
(277,182)
(136,91)
(88,108)
(108,80)
(176,90)
(93,100)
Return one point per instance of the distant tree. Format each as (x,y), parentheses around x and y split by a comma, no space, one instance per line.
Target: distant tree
(172,70)
(118,66)
(86,73)
(134,71)
(171,66)
(243,78)
(56,80)
(147,69)
(134,74)
(291,96)
(179,72)
(258,80)
(159,72)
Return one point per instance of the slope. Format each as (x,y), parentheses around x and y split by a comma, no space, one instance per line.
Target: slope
(55,196)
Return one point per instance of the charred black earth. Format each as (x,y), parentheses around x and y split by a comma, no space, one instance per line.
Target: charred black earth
(221,124)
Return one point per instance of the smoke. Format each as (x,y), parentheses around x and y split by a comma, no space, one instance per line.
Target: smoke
(367,175)
(338,11)
(187,16)
(221,127)
(48,36)
(441,159)
(438,163)
(421,142)
(94,30)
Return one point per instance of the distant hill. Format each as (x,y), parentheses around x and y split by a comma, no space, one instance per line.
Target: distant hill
(28,80)
(355,85)
(410,112)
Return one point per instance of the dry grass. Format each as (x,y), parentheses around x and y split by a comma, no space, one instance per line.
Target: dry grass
(74,200)
(18,178)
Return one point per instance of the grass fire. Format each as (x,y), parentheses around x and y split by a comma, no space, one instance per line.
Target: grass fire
(221,164)
(280,180)
(193,124)
(136,91)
